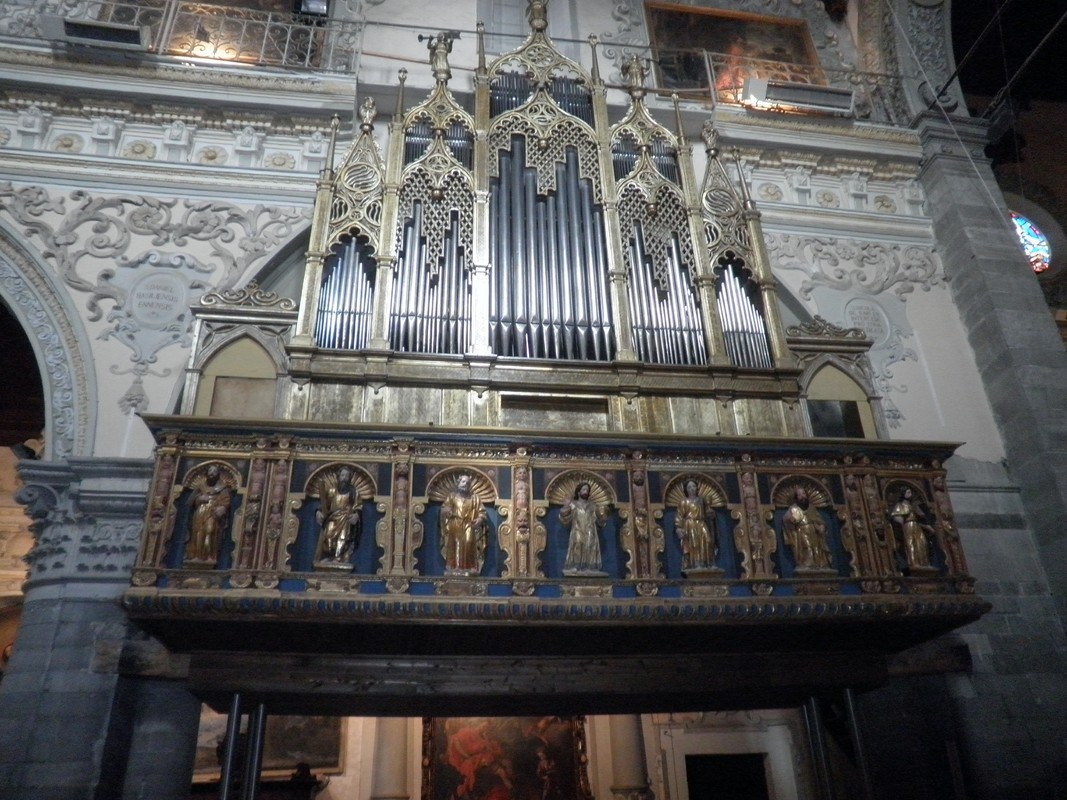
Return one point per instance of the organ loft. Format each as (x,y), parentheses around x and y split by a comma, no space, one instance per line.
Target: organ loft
(536,411)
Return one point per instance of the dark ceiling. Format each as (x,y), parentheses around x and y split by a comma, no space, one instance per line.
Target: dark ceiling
(1011,39)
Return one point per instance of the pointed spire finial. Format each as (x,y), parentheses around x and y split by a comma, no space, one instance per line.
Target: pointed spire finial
(335,125)
(402,76)
(710,135)
(368,111)
(595,72)
(682,140)
(481,48)
(537,13)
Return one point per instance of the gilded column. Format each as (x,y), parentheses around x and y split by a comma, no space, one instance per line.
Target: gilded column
(704,273)
(768,286)
(320,224)
(619,280)
(383,280)
(480,266)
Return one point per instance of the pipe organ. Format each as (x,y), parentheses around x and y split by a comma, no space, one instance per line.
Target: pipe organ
(534,229)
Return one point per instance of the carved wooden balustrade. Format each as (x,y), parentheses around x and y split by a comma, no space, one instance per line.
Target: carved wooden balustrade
(275,481)
(391,609)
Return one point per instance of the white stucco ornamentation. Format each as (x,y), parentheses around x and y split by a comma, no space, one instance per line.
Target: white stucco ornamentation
(280,160)
(109,248)
(852,265)
(140,150)
(68,143)
(864,284)
(211,155)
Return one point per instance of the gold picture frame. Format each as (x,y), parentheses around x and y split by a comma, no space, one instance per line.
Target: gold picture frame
(505,758)
(700,50)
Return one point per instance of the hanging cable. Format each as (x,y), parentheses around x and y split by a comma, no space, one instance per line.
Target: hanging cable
(1006,90)
(970,52)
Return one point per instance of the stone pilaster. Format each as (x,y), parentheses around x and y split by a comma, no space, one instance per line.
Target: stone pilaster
(1011,700)
(67,715)
(629,780)
(391,760)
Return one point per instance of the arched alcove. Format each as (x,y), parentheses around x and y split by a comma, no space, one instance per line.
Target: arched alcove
(61,348)
(239,380)
(837,404)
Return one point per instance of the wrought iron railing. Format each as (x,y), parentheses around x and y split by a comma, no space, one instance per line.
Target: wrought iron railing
(263,37)
(720,78)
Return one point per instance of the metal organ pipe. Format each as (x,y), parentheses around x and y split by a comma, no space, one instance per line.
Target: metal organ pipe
(343,320)
(548,285)
(743,328)
(667,327)
(431,309)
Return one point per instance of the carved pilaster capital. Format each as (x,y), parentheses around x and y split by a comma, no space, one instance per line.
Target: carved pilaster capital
(87,517)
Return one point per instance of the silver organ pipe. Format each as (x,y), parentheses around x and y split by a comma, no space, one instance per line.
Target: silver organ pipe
(666,321)
(548,287)
(344,312)
(418,137)
(510,91)
(742,320)
(624,158)
(431,308)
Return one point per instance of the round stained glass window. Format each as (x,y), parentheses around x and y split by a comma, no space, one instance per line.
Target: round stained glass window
(1034,242)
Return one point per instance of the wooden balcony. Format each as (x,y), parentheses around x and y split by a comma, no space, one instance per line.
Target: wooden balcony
(390,628)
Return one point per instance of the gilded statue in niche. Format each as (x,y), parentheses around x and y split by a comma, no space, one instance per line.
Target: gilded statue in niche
(803,528)
(911,525)
(341,490)
(462,520)
(585,503)
(695,499)
(209,512)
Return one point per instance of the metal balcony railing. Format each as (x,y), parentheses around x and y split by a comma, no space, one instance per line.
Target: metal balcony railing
(262,37)
(720,77)
(272,36)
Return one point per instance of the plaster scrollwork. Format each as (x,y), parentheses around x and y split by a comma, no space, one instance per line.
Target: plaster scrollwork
(851,265)
(629,36)
(66,378)
(879,277)
(150,290)
(927,38)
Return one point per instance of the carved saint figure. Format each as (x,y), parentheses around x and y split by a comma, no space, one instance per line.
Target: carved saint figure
(695,529)
(583,516)
(338,518)
(805,533)
(463,528)
(910,522)
(210,517)
(440,46)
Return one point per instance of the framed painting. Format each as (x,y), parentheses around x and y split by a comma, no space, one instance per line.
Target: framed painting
(504,758)
(699,50)
(289,740)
